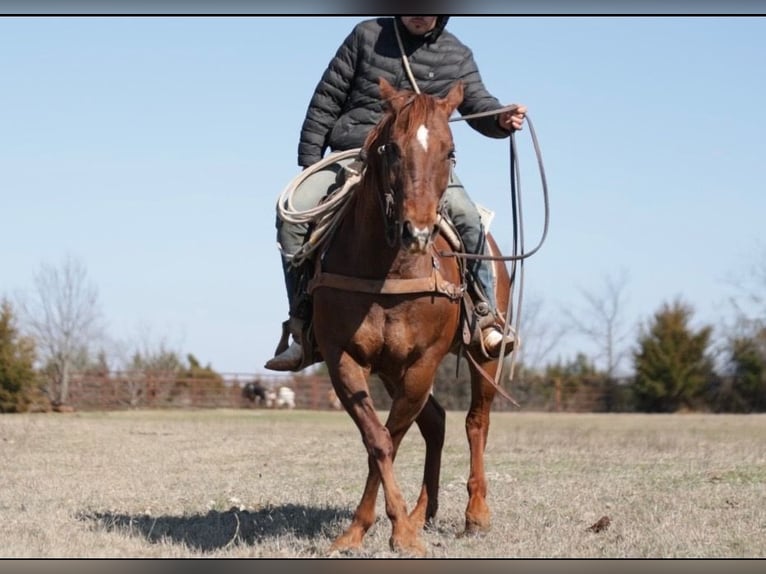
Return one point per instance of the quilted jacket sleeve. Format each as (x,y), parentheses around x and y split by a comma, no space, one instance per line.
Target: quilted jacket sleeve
(477,99)
(328,100)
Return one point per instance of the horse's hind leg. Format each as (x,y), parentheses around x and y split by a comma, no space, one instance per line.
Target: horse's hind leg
(432,422)
(477,515)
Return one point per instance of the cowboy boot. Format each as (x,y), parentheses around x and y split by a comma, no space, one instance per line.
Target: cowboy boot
(492,338)
(493,335)
(291,358)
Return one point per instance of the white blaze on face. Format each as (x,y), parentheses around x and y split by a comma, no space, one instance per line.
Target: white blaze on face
(422,136)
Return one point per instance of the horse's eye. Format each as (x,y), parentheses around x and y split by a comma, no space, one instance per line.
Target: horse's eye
(389,150)
(451,155)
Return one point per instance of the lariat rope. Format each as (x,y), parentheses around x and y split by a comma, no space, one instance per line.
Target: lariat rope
(405,60)
(518,254)
(327,214)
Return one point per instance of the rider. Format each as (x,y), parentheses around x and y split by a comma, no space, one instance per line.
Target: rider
(346,104)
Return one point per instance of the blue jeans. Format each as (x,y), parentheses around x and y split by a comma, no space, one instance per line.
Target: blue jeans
(459,207)
(463,213)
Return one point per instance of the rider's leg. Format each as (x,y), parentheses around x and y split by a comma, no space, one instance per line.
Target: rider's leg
(290,238)
(464,214)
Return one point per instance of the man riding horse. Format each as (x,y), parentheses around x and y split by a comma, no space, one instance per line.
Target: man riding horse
(346,105)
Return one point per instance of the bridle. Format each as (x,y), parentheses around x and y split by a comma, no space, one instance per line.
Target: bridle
(390,194)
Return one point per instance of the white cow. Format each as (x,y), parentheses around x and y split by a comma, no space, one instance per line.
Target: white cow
(283,398)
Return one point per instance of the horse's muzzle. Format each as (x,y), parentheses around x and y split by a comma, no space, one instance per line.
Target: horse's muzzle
(417,240)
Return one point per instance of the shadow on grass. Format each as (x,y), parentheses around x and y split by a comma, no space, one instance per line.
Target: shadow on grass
(219,529)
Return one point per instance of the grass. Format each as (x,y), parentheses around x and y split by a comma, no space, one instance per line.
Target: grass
(257,483)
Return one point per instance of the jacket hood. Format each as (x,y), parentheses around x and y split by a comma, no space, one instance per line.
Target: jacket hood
(441,23)
(430,36)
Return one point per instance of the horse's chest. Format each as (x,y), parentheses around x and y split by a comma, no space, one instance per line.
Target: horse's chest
(402,331)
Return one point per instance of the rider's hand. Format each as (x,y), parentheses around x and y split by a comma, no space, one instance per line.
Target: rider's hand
(513,120)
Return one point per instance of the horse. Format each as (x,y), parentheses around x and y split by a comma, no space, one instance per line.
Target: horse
(387,300)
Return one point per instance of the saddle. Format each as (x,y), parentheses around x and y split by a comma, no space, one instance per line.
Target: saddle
(475,315)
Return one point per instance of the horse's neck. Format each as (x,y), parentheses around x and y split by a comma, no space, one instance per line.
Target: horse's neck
(360,246)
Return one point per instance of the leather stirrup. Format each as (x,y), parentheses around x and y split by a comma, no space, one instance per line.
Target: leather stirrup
(284,342)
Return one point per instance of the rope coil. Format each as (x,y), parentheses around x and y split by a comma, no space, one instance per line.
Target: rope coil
(326,215)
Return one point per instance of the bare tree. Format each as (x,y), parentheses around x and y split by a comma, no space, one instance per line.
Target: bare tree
(142,358)
(749,302)
(62,314)
(601,320)
(539,336)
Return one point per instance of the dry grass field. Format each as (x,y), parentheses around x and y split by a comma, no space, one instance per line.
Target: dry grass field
(258,483)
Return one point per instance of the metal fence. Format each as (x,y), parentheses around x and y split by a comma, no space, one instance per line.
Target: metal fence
(126,390)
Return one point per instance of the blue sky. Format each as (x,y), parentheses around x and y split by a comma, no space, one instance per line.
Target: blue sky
(153,150)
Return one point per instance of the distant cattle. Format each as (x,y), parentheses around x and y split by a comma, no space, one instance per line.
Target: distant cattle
(282,398)
(255,392)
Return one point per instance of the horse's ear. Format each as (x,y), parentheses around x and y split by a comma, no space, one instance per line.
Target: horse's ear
(386,89)
(454,97)
(389,94)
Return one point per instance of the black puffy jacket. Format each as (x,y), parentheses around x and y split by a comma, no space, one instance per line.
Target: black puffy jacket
(346,103)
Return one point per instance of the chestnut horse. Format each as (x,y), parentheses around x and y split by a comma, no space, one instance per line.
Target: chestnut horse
(386,301)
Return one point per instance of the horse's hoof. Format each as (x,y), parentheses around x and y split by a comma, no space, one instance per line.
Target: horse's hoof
(473,529)
(344,545)
(333,552)
(413,548)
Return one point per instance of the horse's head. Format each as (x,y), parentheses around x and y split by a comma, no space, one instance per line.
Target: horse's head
(411,154)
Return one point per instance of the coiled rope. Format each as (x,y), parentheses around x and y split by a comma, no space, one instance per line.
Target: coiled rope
(326,215)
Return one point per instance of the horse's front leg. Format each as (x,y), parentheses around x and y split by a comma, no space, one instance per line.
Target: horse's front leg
(350,382)
(409,400)
(431,422)
(477,515)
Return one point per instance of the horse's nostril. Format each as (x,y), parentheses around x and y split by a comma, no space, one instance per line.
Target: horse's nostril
(407,234)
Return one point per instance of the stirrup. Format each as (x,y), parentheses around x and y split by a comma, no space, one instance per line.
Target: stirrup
(284,340)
